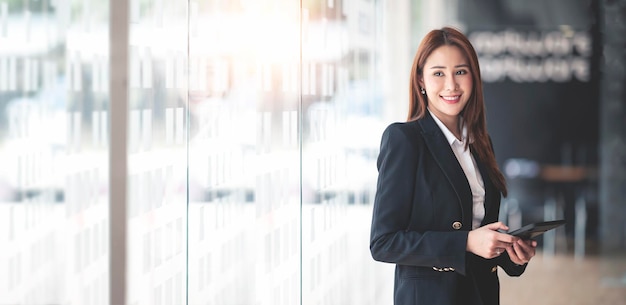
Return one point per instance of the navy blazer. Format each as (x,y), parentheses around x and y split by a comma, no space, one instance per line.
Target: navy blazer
(421,218)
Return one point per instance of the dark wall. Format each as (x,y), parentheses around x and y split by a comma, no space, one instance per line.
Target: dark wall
(613,128)
(539,61)
(540,66)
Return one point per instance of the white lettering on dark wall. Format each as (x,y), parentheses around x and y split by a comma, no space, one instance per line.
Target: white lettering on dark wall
(533,56)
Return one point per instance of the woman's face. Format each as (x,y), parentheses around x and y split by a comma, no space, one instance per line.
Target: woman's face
(447,80)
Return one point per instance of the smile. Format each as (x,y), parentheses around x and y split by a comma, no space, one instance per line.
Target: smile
(453,98)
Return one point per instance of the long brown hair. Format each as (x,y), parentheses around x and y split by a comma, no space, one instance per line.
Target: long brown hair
(474,111)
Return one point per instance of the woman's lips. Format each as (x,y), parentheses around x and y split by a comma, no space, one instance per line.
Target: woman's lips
(451,99)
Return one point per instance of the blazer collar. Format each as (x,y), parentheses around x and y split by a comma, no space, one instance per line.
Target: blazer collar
(444,156)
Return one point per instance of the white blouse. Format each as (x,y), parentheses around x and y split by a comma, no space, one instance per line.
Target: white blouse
(470,169)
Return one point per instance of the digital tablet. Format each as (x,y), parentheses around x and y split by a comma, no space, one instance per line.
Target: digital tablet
(535,229)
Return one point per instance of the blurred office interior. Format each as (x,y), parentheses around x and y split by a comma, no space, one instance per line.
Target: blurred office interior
(224,152)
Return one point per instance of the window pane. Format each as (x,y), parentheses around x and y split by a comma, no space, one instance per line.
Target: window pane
(244,170)
(157,165)
(342,110)
(54,105)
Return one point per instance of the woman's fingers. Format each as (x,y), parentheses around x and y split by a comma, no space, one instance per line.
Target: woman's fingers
(522,251)
(513,256)
(499,243)
(487,242)
(496,226)
(503,240)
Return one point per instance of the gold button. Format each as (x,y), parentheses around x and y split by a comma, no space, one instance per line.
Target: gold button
(494,269)
(456,225)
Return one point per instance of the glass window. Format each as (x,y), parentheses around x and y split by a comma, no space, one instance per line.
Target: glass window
(244,167)
(54,141)
(157,152)
(342,120)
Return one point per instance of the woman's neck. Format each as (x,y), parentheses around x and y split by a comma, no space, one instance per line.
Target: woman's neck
(452,123)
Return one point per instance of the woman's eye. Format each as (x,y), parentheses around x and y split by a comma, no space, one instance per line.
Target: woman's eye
(461,72)
(438,74)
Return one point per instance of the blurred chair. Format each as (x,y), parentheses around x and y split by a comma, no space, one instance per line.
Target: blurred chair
(572,187)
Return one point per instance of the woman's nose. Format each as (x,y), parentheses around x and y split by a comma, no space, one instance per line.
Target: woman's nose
(451,83)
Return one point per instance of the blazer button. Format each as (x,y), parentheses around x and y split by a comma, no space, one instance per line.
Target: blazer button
(456,225)
(494,269)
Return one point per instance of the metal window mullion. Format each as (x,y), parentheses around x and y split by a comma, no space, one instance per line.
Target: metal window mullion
(118,156)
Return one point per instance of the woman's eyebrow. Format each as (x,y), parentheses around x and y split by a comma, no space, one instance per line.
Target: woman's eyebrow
(457,66)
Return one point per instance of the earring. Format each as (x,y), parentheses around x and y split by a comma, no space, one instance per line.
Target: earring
(423,91)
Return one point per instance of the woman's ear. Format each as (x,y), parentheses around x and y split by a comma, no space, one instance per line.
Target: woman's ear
(421,86)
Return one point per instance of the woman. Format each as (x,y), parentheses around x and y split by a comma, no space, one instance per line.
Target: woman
(439,186)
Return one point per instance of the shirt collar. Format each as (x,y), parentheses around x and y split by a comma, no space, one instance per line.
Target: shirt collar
(447,133)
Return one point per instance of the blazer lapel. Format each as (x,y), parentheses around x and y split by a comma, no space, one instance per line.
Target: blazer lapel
(445,158)
(489,191)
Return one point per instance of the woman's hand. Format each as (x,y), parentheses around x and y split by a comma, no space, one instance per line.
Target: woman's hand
(522,251)
(488,243)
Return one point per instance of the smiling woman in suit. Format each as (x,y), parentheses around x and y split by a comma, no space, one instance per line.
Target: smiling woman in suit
(439,187)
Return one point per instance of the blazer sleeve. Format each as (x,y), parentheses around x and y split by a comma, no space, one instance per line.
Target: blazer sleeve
(390,239)
(511,268)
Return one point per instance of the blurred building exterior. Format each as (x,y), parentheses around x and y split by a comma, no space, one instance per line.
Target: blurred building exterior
(249,133)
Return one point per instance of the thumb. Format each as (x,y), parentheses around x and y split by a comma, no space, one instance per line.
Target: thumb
(497,226)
